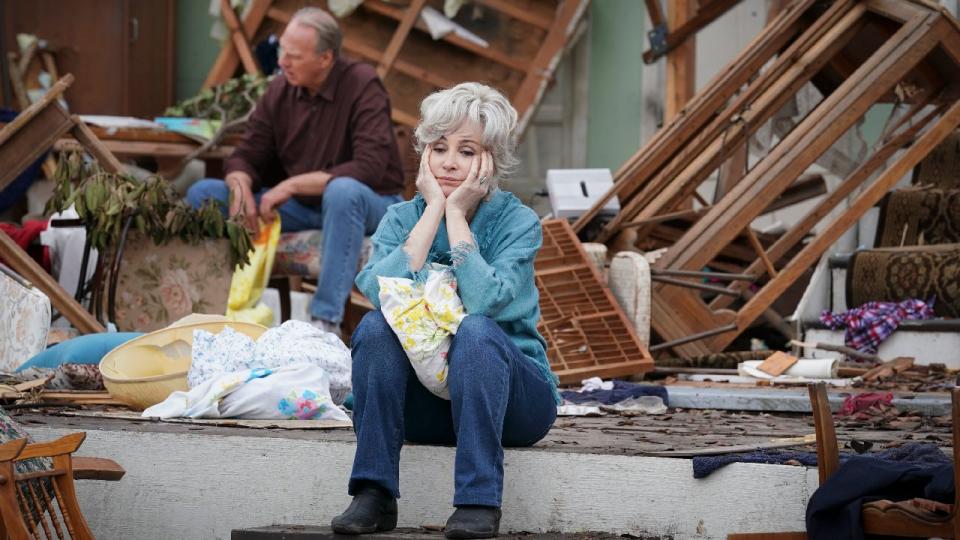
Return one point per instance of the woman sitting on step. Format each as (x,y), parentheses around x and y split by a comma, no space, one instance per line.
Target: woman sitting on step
(502,392)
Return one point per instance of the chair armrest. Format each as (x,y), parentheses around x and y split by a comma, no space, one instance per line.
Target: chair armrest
(93,468)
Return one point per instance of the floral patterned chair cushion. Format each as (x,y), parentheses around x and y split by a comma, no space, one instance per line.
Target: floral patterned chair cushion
(298,254)
(159,285)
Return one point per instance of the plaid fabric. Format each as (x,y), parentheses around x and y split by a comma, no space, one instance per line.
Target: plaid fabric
(868,325)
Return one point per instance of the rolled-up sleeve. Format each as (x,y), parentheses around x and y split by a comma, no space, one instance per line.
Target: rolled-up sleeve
(371,136)
(497,287)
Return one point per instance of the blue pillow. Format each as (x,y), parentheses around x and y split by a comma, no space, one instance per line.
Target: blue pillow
(87,349)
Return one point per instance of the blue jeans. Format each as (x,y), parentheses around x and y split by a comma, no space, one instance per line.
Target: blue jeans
(350,210)
(498,398)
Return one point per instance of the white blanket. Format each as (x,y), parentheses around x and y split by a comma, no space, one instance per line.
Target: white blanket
(296,392)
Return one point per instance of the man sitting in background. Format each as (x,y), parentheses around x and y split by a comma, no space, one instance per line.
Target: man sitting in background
(320,151)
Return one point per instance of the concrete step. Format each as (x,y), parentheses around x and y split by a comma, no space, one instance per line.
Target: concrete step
(309,532)
(184,484)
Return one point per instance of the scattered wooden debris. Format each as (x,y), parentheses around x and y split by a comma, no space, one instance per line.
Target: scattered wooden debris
(847,351)
(777,363)
(888,369)
(520,46)
(857,54)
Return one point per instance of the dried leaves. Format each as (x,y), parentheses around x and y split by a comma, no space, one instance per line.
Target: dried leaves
(106,201)
(225,102)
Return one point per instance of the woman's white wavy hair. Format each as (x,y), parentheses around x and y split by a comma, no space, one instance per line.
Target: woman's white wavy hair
(444,111)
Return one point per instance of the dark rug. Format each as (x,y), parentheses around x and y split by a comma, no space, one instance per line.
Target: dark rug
(941,167)
(897,274)
(919,217)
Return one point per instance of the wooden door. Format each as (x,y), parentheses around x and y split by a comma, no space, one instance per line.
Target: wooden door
(85,35)
(120,51)
(150,62)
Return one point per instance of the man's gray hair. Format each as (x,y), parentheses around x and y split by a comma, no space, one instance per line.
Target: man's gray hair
(328,31)
(444,111)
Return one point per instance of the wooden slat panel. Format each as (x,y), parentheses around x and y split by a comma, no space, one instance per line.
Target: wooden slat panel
(587,333)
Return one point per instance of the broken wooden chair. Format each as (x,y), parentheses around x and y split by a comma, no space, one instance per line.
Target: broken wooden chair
(42,502)
(912,518)
(22,141)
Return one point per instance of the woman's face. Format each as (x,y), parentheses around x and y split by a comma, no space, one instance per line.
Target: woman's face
(453,154)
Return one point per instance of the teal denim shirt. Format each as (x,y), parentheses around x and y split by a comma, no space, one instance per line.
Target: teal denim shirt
(495,280)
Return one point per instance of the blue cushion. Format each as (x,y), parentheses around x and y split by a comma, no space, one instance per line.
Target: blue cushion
(87,349)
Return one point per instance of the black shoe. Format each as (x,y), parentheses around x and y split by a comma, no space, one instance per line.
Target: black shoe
(372,510)
(473,522)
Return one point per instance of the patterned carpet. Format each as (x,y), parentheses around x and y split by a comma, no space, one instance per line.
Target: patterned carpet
(896,274)
(941,167)
(919,217)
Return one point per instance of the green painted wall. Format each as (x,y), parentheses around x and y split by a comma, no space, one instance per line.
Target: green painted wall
(196,50)
(617,42)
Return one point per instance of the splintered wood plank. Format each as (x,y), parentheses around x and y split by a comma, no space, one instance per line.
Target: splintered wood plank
(666,142)
(490,53)
(517,12)
(681,176)
(835,197)
(540,71)
(228,60)
(587,333)
(804,144)
(389,55)
(777,363)
(681,61)
(239,37)
(97,149)
(697,19)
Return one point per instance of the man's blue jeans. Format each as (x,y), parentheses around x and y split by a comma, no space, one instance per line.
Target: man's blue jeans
(498,398)
(350,211)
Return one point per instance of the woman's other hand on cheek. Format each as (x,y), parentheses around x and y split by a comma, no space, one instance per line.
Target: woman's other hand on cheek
(467,197)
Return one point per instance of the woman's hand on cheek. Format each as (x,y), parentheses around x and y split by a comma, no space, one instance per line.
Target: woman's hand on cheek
(468,196)
(427,183)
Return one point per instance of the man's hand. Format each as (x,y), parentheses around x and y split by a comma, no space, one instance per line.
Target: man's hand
(241,198)
(274,198)
(467,197)
(427,183)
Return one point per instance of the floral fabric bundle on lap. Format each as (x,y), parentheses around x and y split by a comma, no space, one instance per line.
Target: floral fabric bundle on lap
(424,316)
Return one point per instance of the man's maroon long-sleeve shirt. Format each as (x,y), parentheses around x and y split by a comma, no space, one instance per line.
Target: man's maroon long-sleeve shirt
(344,130)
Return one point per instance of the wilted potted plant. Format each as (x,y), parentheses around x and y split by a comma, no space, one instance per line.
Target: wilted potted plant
(161,258)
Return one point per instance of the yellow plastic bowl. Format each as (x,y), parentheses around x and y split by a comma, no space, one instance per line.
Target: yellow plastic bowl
(145,370)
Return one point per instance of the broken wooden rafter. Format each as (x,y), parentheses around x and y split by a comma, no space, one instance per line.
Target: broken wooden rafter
(422,73)
(240,38)
(640,168)
(918,47)
(663,40)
